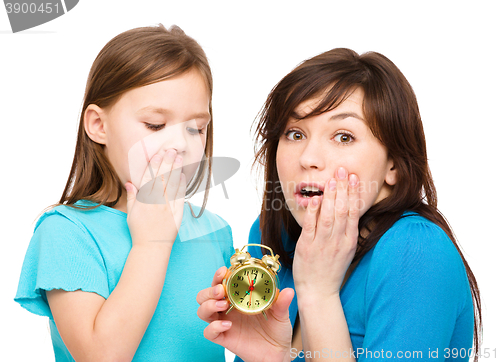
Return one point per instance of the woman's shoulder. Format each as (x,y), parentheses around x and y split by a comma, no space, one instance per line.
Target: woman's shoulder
(415,240)
(414,230)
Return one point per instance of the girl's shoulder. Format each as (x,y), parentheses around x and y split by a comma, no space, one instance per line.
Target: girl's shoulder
(78,215)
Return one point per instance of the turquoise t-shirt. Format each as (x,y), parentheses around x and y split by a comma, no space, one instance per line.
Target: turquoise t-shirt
(408,298)
(75,249)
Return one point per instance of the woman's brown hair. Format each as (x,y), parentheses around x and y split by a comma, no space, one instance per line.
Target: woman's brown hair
(133,59)
(391,110)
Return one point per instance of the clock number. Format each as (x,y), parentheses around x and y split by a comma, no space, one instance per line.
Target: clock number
(268,290)
(248,303)
(257,303)
(245,272)
(236,292)
(240,278)
(264,298)
(235,285)
(266,282)
(241,299)
(255,272)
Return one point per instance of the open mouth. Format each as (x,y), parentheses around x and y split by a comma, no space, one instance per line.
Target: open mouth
(310,191)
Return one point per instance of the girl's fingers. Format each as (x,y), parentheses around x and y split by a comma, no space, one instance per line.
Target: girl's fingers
(153,168)
(354,208)
(172,184)
(310,220)
(341,204)
(215,331)
(327,212)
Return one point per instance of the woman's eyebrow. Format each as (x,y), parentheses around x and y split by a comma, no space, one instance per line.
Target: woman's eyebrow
(341,116)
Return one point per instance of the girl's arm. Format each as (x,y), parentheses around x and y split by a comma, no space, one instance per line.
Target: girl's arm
(98,329)
(323,254)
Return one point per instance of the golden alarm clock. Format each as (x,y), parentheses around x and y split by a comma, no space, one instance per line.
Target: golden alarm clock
(252,285)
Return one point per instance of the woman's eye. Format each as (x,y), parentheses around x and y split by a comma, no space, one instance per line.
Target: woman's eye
(294,135)
(154,127)
(344,138)
(195,131)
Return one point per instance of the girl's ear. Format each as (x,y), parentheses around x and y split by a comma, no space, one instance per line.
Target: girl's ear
(392,174)
(94,124)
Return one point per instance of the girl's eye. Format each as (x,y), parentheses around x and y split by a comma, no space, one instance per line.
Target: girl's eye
(294,135)
(344,138)
(154,127)
(195,131)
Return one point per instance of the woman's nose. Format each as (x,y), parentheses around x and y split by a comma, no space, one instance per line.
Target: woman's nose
(312,156)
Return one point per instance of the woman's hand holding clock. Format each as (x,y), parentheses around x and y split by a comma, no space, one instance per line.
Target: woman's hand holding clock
(251,337)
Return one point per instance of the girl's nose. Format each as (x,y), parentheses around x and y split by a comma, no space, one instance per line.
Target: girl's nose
(312,156)
(175,138)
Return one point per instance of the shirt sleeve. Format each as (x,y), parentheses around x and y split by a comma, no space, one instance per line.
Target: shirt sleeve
(61,255)
(416,289)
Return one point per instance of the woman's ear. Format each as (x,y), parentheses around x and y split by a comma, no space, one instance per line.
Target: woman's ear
(392,174)
(94,124)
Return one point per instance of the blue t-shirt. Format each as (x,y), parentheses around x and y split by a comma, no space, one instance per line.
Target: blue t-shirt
(75,249)
(407,299)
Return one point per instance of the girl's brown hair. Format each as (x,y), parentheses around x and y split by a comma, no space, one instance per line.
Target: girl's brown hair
(133,59)
(391,110)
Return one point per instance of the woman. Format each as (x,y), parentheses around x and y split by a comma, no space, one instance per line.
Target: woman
(351,207)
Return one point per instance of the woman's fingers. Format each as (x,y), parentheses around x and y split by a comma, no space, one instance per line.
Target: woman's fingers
(211,301)
(215,331)
(354,208)
(326,217)
(341,204)
(219,276)
(310,220)
(280,309)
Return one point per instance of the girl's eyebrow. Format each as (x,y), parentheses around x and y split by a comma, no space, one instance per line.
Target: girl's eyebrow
(166,112)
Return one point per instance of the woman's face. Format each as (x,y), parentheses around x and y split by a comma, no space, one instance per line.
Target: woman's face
(311,151)
(171,114)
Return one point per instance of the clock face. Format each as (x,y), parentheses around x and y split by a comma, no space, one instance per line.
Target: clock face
(251,289)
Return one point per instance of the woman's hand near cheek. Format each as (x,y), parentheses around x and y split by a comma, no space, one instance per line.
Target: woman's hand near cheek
(252,338)
(323,253)
(154,213)
(329,238)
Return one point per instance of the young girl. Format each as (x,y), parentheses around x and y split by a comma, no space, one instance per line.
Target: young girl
(97,263)
(351,207)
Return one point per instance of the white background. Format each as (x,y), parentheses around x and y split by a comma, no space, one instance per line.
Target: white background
(449,51)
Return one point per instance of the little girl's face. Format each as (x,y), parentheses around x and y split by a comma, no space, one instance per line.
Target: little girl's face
(311,150)
(171,114)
